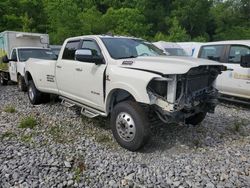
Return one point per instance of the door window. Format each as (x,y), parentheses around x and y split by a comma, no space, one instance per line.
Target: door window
(212,52)
(70,48)
(92,45)
(236,52)
(13,55)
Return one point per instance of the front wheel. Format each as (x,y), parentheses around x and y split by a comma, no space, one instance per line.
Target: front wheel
(35,96)
(196,119)
(130,125)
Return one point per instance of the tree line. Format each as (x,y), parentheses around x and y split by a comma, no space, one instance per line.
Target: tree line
(169,20)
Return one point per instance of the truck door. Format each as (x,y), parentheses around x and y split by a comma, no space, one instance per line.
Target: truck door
(13,65)
(237,82)
(80,81)
(90,76)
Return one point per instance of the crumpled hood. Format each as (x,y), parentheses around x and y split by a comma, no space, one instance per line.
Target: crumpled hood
(166,64)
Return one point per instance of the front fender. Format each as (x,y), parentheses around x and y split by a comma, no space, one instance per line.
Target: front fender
(133,81)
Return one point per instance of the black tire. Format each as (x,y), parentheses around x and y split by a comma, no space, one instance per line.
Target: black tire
(21,83)
(121,125)
(34,95)
(196,119)
(3,82)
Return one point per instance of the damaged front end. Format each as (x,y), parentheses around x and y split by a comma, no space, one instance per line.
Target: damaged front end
(175,98)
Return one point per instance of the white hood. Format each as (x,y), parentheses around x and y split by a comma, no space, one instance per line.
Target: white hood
(167,64)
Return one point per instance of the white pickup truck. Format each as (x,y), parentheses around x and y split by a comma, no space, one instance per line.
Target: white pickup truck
(18,59)
(126,78)
(15,49)
(236,56)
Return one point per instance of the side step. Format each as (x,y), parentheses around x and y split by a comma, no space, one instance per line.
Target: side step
(86,111)
(66,103)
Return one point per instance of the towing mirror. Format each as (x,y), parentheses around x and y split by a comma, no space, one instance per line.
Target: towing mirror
(5,59)
(245,61)
(88,55)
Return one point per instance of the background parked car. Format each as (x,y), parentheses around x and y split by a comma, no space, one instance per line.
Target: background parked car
(190,47)
(235,55)
(170,48)
(10,41)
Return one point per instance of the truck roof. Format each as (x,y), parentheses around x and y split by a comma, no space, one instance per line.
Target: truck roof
(32,48)
(102,36)
(244,42)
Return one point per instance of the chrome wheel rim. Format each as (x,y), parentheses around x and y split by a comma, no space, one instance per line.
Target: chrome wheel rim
(31,94)
(125,126)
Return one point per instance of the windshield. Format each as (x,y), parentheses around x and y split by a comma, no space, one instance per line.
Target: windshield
(175,52)
(25,54)
(122,48)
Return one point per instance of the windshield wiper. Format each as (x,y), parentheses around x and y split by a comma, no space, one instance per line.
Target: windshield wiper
(132,56)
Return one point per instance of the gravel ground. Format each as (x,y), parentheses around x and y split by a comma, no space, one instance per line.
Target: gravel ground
(64,149)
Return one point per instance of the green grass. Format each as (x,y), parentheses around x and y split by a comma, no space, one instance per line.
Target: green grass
(58,134)
(26,138)
(103,138)
(79,168)
(9,109)
(98,128)
(237,126)
(28,122)
(7,134)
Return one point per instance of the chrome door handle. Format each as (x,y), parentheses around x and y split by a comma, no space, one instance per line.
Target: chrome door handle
(78,69)
(58,66)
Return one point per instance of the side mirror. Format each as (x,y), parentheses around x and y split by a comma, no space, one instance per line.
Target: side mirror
(245,61)
(5,59)
(88,55)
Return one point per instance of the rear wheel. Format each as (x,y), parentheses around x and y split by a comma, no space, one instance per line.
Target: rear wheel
(3,82)
(196,119)
(130,125)
(34,95)
(21,83)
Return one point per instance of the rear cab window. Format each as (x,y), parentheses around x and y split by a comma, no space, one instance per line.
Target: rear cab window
(212,52)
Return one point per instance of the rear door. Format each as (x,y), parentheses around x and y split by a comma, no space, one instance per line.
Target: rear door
(236,82)
(13,65)
(66,71)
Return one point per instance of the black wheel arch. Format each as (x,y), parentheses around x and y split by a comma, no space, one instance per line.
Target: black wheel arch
(116,96)
(27,77)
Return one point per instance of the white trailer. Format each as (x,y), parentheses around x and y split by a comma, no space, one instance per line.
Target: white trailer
(9,42)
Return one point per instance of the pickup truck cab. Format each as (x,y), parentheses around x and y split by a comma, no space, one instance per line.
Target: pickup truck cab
(234,55)
(18,58)
(126,78)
